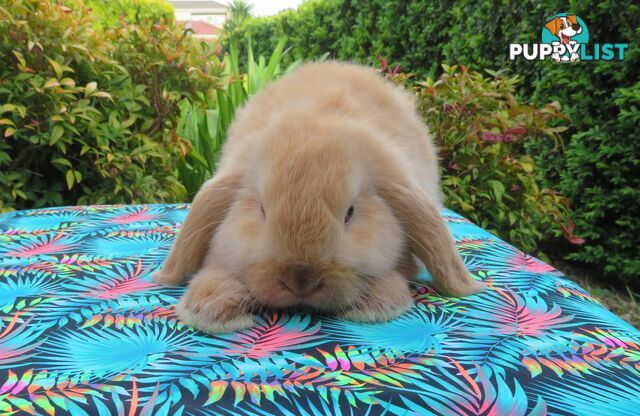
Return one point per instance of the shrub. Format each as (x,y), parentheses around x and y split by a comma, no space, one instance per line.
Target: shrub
(312,31)
(90,116)
(603,178)
(421,34)
(481,131)
(110,13)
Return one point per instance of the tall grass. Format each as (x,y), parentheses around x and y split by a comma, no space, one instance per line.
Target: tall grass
(207,128)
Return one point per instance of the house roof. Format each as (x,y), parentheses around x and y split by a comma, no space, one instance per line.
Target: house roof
(201,28)
(197,4)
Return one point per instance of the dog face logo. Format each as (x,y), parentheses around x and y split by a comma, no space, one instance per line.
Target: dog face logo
(564,27)
(567,30)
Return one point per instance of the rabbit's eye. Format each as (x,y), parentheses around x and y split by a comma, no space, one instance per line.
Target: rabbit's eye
(347,217)
(262,211)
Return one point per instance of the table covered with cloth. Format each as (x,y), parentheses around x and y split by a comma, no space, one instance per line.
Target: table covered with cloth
(84,330)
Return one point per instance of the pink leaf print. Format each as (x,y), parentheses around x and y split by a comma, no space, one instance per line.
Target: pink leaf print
(138,216)
(529,264)
(45,247)
(128,284)
(274,335)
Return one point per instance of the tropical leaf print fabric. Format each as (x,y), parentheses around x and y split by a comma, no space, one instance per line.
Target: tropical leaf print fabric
(85,331)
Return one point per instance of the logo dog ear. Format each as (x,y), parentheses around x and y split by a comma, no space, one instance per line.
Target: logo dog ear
(572,18)
(553,26)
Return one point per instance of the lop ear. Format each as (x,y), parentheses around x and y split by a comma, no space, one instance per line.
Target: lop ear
(430,239)
(572,19)
(207,211)
(553,26)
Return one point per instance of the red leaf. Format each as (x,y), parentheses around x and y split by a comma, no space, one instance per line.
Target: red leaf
(577,240)
(383,63)
(517,130)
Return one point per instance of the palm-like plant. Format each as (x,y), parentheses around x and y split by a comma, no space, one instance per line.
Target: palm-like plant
(239,12)
(206,128)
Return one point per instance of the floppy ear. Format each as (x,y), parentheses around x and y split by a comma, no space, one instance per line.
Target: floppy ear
(572,18)
(553,25)
(208,210)
(430,239)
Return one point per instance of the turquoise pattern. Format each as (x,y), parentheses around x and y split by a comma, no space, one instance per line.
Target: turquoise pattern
(85,331)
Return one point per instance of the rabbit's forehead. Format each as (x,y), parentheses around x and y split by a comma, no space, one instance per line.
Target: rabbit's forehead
(327,172)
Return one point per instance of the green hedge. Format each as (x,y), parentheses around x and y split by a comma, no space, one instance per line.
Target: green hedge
(90,115)
(599,170)
(111,12)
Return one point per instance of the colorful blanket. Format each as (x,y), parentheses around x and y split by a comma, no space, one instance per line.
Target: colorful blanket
(85,331)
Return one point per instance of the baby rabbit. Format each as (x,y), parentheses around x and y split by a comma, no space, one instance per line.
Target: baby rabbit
(326,195)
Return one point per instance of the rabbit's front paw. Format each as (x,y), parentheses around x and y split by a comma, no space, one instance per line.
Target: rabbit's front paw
(167,276)
(214,305)
(385,300)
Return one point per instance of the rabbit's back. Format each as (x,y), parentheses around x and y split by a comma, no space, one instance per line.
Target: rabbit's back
(351,93)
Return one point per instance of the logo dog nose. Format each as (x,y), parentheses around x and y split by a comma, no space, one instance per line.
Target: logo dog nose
(300,279)
(575,26)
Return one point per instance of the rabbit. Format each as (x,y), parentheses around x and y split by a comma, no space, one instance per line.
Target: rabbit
(326,196)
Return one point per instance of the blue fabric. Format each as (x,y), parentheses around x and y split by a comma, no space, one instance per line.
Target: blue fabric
(84,330)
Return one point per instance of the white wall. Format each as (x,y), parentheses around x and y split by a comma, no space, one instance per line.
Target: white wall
(214,18)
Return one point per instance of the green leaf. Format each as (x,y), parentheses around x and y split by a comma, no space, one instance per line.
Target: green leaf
(276,57)
(51,83)
(90,88)
(18,192)
(527,166)
(62,162)
(4,158)
(198,157)
(56,134)
(68,82)
(102,94)
(70,178)
(57,68)
(20,58)
(498,189)
(129,122)
(6,108)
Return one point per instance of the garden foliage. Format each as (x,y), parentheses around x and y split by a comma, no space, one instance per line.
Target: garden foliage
(481,131)
(90,115)
(110,12)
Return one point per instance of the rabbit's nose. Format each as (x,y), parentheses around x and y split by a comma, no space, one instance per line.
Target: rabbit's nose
(300,279)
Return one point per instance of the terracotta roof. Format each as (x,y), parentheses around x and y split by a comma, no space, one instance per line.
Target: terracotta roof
(201,28)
